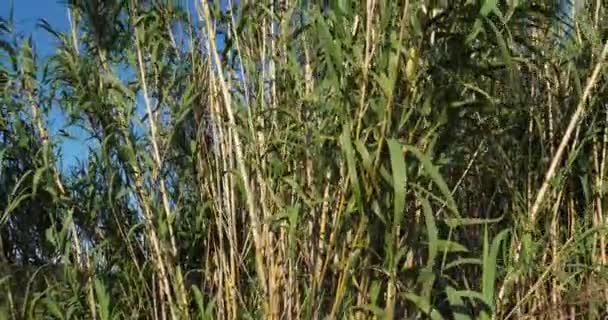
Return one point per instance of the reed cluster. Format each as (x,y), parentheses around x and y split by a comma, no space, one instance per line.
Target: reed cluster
(294,159)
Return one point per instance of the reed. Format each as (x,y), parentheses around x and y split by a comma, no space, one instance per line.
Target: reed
(304,160)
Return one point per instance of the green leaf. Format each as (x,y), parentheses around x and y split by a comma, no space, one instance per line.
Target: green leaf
(450,246)
(36,180)
(431,231)
(434,174)
(504,50)
(426,278)
(373,309)
(385,83)
(204,311)
(415,24)
(366,158)
(127,155)
(477,28)
(462,261)
(2,152)
(347,148)
(399,180)
(103,300)
(459,222)
(473,296)
(423,305)
(53,307)
(490,265)
(330,43)
(28,64)
(487,7)
(456,304)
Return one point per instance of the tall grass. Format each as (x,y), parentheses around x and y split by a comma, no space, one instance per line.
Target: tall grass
(306,160)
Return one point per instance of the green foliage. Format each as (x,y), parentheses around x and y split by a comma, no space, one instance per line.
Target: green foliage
(340,159)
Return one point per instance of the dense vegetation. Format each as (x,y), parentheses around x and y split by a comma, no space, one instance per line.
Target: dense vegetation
(305,160)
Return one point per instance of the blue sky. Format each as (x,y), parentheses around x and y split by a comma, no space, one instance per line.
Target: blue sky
(26,14)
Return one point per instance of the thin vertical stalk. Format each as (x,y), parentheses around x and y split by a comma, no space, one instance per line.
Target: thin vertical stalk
(252,208)
(574,121)
(369,13)
(154,138)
